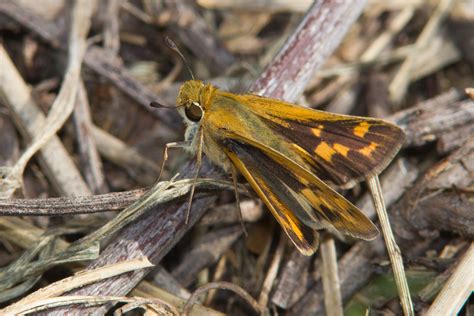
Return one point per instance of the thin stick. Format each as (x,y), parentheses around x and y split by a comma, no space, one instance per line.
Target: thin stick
(457,289)
(330,276)
(165,154)
(272,273)
(86,144)
(392,247)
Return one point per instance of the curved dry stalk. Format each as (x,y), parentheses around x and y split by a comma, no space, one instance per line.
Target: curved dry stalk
(222,286)
(78,280)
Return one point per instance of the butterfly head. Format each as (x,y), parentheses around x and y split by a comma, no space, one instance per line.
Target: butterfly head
(189,101)
(193,99)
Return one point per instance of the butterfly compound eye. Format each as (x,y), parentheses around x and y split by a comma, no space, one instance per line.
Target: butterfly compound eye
(193,112)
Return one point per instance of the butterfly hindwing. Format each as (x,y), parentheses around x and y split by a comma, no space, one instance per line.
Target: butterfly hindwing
(304,237)
(299,201)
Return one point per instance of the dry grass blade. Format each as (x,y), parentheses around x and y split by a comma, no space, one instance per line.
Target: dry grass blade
(45,248)
(150,305)
(329,273)
(75,281)
(87,247)
(25,271)
(392,247)
(162,192)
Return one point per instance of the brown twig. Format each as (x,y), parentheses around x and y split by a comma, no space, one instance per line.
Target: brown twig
(440,200)
(69,205)
(424,122)
(206,252)
(306,50)
(90,159)
(292,280)
(272,273)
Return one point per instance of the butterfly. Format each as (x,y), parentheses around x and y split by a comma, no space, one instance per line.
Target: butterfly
(290,155)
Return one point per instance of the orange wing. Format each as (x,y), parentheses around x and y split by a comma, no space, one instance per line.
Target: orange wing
(337,148)
(284,167)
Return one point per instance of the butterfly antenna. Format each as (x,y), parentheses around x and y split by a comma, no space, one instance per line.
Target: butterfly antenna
(159,105)
(172,46)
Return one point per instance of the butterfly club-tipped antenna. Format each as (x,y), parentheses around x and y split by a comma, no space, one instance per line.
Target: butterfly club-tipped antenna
(155,104)
(171,45)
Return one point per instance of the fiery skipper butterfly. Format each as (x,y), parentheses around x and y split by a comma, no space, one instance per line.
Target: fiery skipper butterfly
(287,153)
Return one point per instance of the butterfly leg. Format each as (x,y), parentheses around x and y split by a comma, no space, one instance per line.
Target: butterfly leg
(198,168)
(165,153)
(237,199)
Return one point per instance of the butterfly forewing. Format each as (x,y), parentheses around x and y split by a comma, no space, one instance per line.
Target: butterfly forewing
(337,148)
